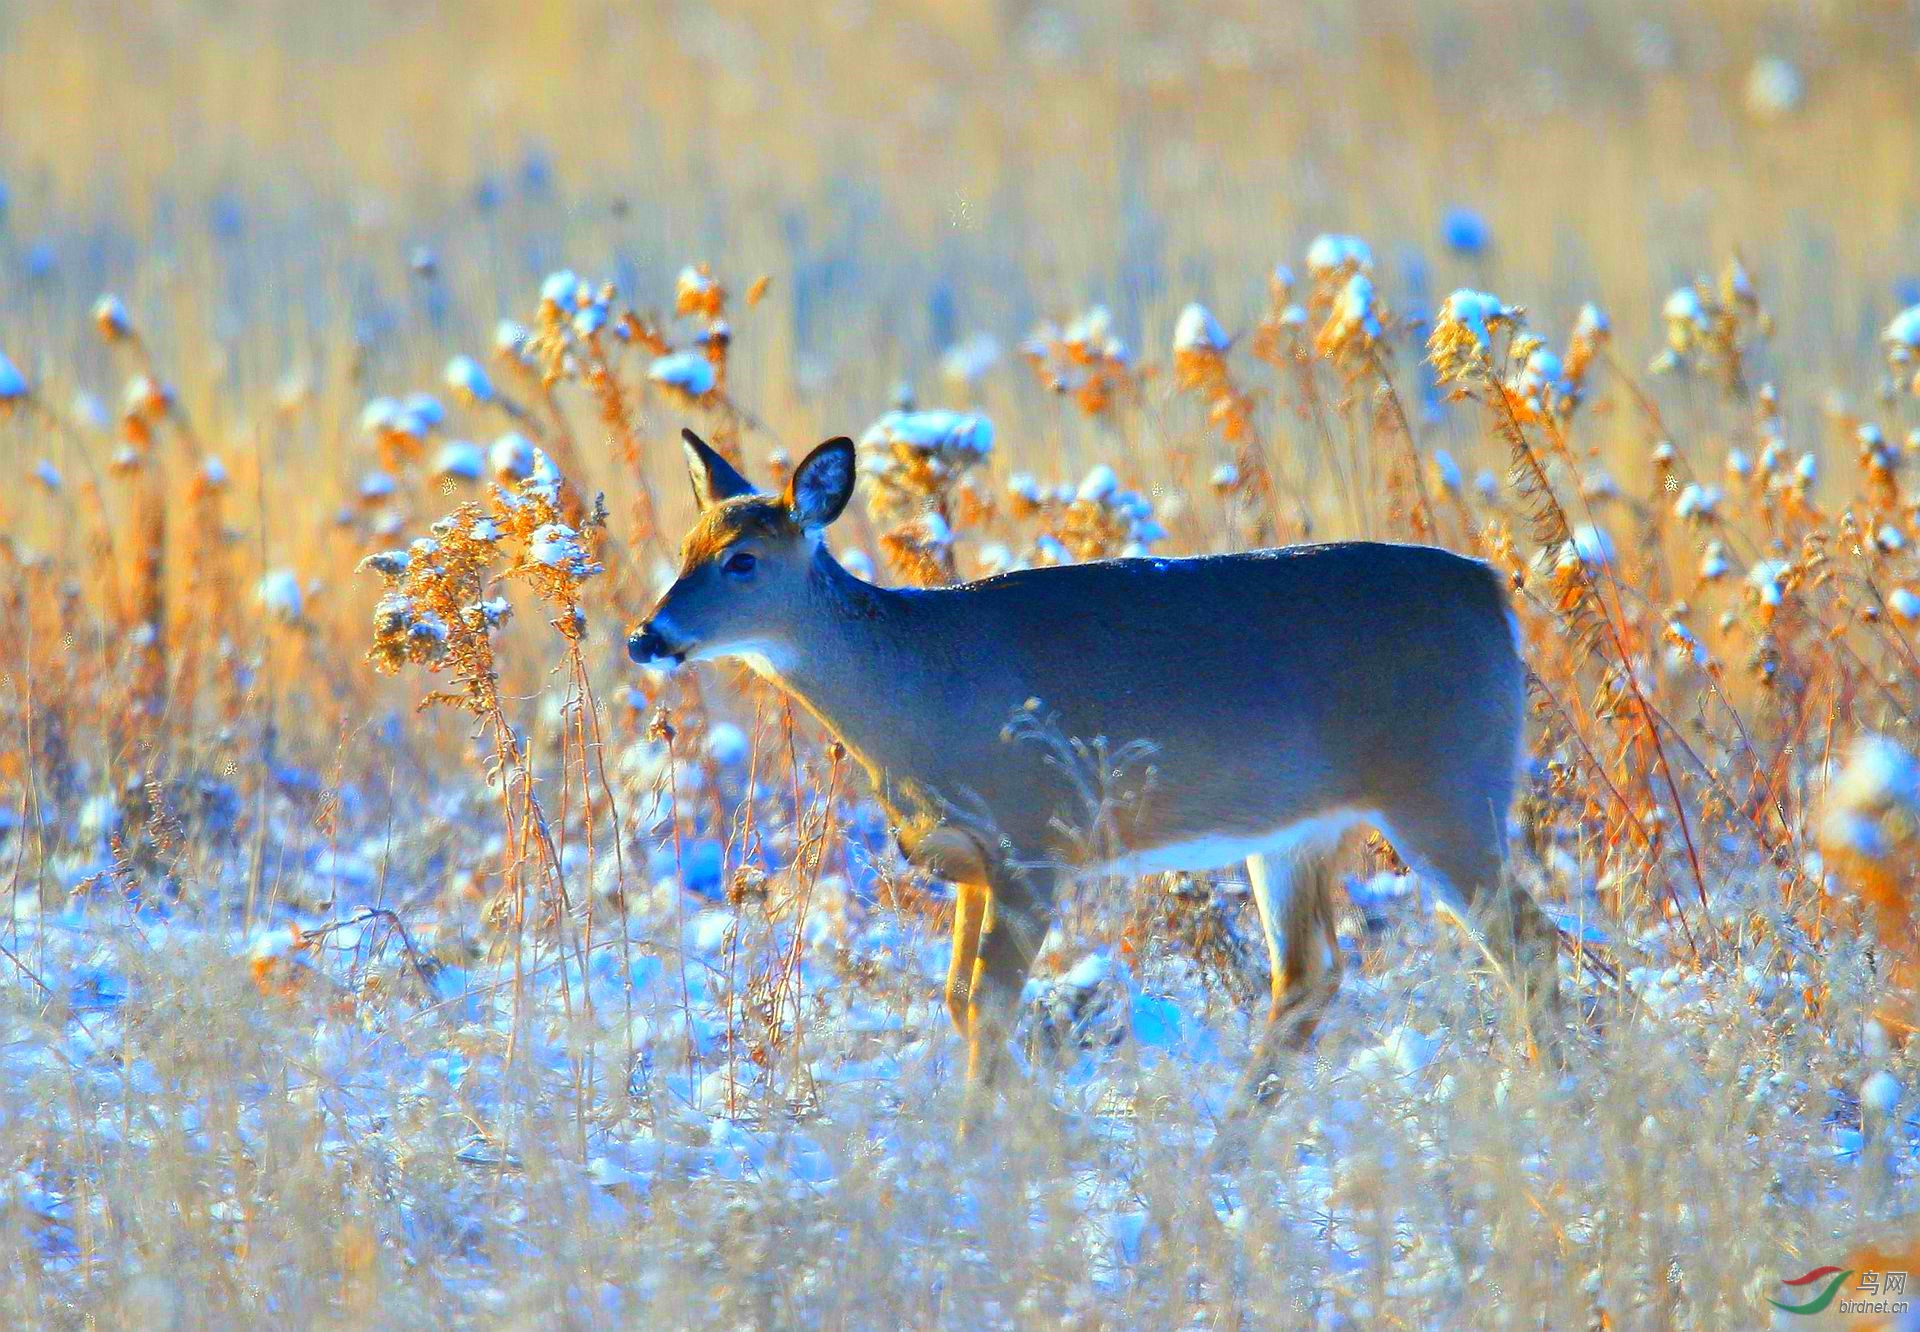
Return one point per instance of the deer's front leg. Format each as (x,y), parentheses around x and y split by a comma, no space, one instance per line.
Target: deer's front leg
(1016,925)
(954,855)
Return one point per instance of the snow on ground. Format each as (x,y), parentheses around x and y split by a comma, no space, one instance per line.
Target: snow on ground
(677,1068)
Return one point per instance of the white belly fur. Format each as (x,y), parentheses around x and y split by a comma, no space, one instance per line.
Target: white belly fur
(1212,853)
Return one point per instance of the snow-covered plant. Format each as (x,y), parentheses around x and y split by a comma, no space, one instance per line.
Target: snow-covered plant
(915,463)
(439,610)
(1870,833)
(1085,361)
(1713,329)
(1200,368)
(1902,340)
(1093,520)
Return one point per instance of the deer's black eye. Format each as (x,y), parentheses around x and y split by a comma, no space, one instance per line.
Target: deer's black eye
(740,564)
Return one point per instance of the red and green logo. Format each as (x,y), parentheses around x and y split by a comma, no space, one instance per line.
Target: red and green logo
(1834,1278)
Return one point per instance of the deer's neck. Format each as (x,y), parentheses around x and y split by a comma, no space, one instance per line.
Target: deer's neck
(859,665)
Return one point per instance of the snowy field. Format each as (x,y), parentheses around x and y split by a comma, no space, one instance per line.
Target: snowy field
(396,1124)
(384,949)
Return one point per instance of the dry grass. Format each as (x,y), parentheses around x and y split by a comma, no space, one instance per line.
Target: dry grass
(601,996)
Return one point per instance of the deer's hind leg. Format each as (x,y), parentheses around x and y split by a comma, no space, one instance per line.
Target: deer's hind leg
(1295,897)
(1463,851)
(1306,956)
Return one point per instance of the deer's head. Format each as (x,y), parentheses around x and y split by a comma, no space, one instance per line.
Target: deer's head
(745,565)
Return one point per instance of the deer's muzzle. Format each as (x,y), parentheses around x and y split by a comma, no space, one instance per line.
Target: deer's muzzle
(646,646)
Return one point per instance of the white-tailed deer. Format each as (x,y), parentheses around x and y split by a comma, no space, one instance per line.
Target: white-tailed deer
(1279,696)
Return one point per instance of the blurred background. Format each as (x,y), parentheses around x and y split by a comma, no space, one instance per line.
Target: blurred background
(306,207)
(306,213)
(914,172)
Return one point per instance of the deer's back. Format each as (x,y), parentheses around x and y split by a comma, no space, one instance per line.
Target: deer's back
(1267,684)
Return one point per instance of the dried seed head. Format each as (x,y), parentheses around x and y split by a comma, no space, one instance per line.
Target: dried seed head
(1197,332)
(1085,362)
(1331,258)
(511,458)
(13,384)
(562,291)
(1902,340)
(696,293)
(465,377)
(688,375)
(1461,343)
(111,318)
(1355,324)
(146,398)
(280,596)
(460,460)
(916,460)
(966,363)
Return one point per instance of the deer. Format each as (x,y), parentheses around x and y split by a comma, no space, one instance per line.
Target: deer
(1273,700)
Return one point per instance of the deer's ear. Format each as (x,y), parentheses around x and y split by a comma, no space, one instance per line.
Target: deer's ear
(822,484)
(713,477)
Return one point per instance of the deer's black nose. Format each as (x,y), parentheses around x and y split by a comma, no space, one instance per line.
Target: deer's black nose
(643,645)
(646,646)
